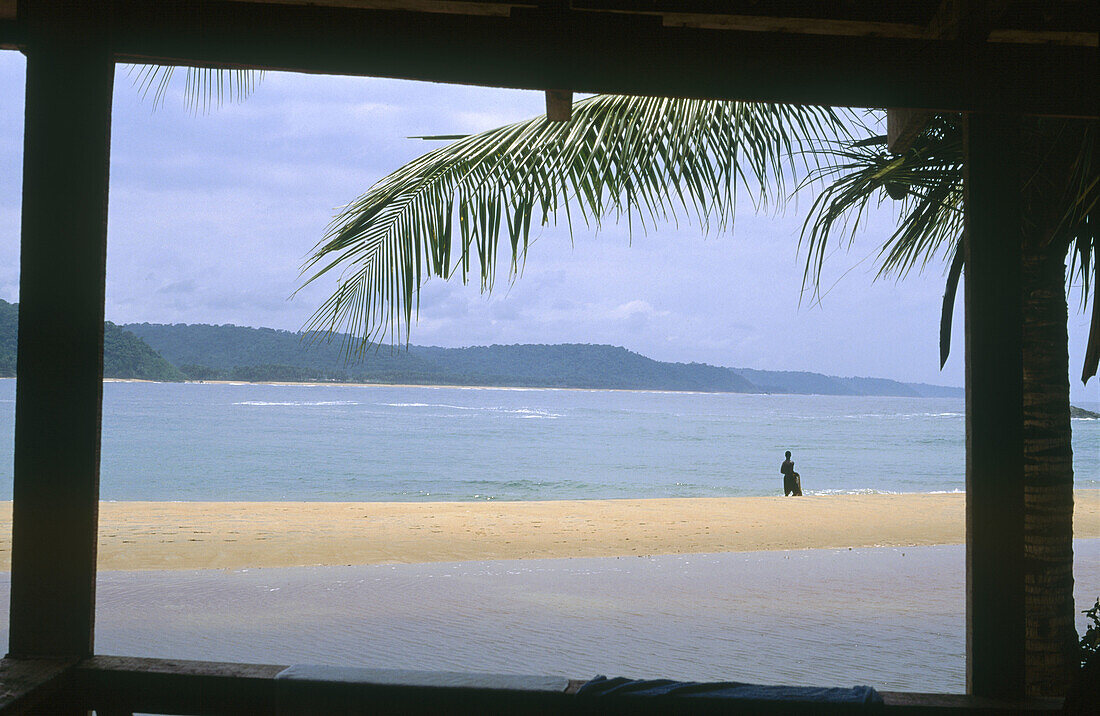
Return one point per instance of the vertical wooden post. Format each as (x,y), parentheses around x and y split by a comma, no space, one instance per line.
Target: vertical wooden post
(994,408)
(66,154)
(559,105)
(903,126)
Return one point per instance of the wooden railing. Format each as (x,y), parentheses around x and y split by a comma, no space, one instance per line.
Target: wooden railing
(120,686)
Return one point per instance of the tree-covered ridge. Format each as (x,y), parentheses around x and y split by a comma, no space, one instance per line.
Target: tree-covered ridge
(228,352)
(127,356)
(152,351)
(124,354)
(9,333)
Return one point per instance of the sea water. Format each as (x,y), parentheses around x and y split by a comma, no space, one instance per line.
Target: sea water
(164,441)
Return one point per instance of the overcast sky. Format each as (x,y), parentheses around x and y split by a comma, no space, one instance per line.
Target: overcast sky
(212,215)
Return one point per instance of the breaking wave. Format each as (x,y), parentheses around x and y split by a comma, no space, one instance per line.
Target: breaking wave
(296,403)
(536,413)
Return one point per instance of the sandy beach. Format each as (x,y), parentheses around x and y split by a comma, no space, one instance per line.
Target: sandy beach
(204,535)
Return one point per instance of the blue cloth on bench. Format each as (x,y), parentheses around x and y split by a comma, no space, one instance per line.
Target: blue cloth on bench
(619,686)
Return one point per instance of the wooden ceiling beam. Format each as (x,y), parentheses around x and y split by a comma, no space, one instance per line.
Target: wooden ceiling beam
(903,126)
(9,28)
(912,12)
(499,8)
(612,53)
(1055,37)
(962,22)
(794,25)
(11,36)
(1066,24)
(1061,25)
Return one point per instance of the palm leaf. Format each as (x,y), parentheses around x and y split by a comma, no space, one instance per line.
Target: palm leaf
(640,159)
(927,182)
(204,88)
(948,310)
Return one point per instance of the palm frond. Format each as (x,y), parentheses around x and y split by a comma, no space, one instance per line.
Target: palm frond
(640,159)
(204,88)
(926,181)
(1080,198)
(948,310)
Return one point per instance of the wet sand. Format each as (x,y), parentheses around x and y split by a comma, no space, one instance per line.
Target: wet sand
(893,618)
(206,535)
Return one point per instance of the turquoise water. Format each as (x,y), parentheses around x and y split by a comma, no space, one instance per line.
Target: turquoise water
(269,442)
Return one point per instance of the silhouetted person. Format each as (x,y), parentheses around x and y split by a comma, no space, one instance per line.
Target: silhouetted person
(792,482)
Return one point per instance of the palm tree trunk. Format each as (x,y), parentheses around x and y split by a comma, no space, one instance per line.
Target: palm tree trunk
(1051,639)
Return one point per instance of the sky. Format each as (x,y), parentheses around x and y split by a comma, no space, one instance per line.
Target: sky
(212,215)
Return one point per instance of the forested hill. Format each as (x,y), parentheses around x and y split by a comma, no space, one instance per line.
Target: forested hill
(233,352)
(162,352)
(205,352)
(124,354)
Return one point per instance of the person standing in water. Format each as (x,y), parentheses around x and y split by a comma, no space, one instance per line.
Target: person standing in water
(792,482)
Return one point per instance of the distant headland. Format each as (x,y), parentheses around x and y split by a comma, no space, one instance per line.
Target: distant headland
(177,352)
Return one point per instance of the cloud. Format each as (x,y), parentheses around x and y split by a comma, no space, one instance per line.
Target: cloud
(633,310)
(184,286)
(502,310)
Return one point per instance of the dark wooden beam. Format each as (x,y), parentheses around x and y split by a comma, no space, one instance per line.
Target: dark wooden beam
(26,684)
(559,105)
(129,684)
(125,684)
(611,52)
(927,704)
(10,30)
(963,22)
(994,408)
(60,356)
(915,13)
(903,126)
(450,7)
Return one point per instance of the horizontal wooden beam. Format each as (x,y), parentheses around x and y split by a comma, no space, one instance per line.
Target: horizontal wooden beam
(903,126)
(28,683)
(863,19)
(796,25)
(11,32)
(451,7)
(8,36)
(129,684)
(125,684)
(610,52)
(924,703)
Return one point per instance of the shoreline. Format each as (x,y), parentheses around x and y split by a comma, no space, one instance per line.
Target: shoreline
(235,535)
(518,388)
(450,386)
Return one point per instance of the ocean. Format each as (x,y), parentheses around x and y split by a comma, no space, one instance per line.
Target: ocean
(164,441)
